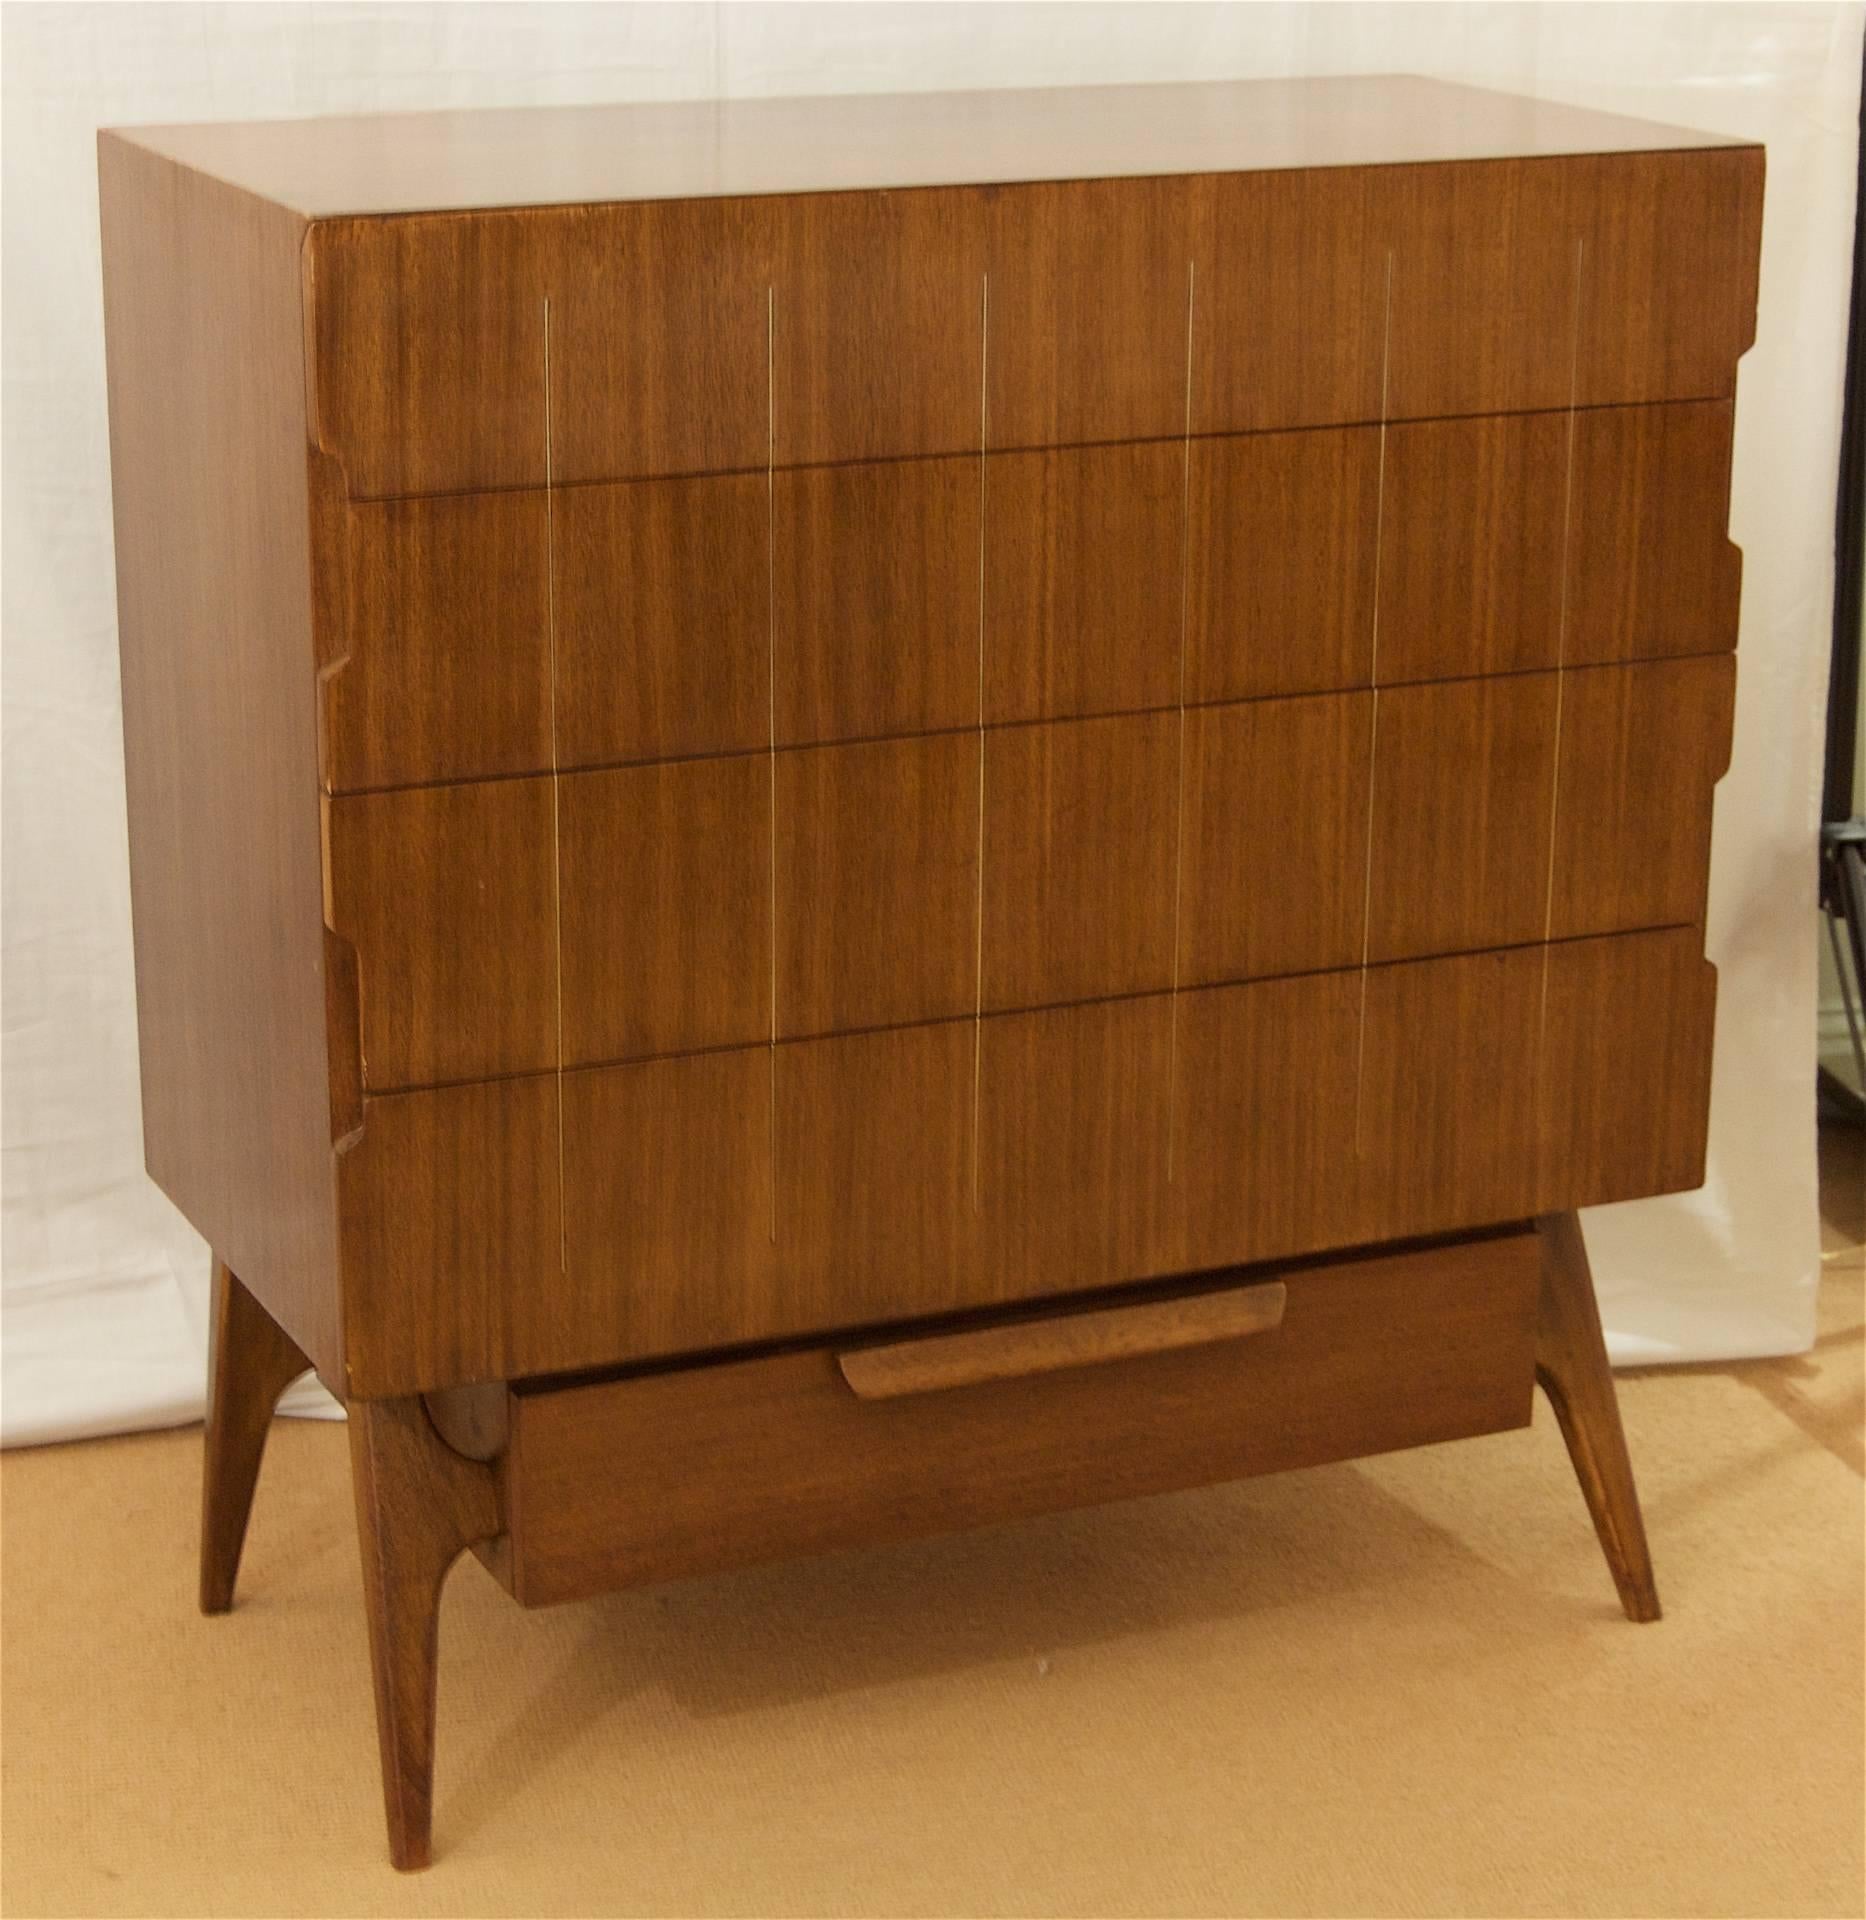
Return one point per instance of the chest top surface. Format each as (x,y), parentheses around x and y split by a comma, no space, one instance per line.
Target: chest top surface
(698,149)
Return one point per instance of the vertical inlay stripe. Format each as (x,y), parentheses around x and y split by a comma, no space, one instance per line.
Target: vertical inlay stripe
(557,880)
(1179,813)
(771,709)
(1561,637)
(978,904)
(1373,719)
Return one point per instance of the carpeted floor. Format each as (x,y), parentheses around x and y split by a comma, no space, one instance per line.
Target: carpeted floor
(1393,1688)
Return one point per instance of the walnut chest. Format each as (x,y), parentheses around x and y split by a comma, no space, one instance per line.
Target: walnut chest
(851,816)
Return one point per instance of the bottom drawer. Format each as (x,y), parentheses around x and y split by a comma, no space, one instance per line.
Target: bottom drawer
(656,1475)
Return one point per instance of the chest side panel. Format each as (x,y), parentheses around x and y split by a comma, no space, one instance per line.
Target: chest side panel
(207,441)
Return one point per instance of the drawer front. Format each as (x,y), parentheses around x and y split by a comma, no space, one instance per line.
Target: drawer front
(512,926)
(455,352)
(491,634)
(662,1475)
(531,1225)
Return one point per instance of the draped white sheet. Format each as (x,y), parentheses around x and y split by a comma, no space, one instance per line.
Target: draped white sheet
(104,1286)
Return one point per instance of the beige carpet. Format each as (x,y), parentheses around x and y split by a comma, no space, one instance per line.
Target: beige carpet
(1394,1688)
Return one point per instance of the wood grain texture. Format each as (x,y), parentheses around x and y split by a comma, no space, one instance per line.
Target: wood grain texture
(1084,580)
(1054,1343)
(756,1194)
(1448,1101)
(673,1473)
(1641,748)
(251,1360)
(1274,841)
(442,644)
(682,150)
(448,896)
(1521,283)
(875,599)
(879,333)
(877,883)
(1572,1369)
(1463,798)
(1072,1179)
(662,622)
(1290,324)
(1484,263)
(1264,1101)
(668,1170)
(404,320)
(1471,547)
(1667,299)
(1280,593)
(660,344)
(1515,284)
(1089,311)
(1625,1086)
(419,1506)
(1080,822)
(753,1195)
(1651,570)
(666,908)
(874,1175)
(211,513)
(452,1233)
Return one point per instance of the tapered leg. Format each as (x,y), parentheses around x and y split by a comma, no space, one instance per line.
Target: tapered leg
(419,1505)
(1571,1364)
(250,1362)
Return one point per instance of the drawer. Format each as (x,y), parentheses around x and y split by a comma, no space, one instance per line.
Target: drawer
(448,353)
(499,633)
(671,1207)
(663,1474)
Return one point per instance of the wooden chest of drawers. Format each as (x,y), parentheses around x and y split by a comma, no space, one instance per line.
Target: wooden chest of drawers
(780,748)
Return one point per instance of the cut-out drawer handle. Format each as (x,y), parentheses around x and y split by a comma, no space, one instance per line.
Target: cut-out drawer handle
(1064,1340)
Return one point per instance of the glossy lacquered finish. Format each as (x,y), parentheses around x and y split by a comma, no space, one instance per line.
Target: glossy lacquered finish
(788,761)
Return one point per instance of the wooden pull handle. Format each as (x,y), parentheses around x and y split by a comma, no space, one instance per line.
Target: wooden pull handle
(1050,1345)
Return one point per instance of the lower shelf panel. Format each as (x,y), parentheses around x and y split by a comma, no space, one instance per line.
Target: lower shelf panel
(659,1475)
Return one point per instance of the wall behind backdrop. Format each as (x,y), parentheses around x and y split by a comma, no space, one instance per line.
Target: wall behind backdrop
(105,1287)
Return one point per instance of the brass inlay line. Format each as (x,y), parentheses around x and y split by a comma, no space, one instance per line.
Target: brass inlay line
(1179,813)
(978,905)
(1561,642)
(557,878)
(1373,717)
(771,701)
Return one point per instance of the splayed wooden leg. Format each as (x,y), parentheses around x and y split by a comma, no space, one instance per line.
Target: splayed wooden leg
(251,1360)
(419,1505)
(1571,1364)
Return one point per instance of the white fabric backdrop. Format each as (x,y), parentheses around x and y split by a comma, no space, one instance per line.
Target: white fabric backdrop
(104,1286)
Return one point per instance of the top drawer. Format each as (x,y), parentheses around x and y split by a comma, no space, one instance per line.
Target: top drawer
(455,352)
